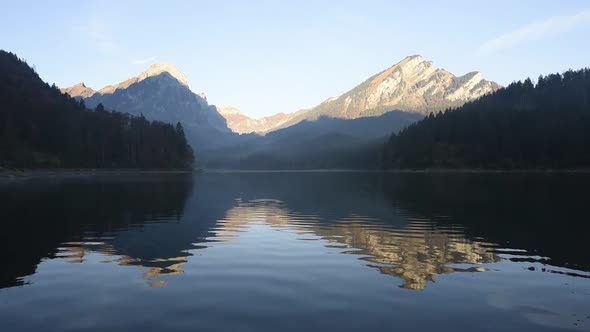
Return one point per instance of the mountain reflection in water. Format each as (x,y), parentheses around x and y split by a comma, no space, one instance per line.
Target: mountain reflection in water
(416,253)
(295,251)
(410,226)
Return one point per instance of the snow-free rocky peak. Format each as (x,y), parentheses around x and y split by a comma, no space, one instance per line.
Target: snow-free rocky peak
(161,93)
(79,90)
(159,68)
(412,85)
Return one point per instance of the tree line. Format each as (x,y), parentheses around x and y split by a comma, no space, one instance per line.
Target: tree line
(523,126)
(41,127)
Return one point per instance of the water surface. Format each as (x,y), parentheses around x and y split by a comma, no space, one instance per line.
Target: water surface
(296,251)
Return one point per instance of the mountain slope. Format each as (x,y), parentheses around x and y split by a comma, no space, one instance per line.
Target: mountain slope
(79,90)
(412,85)
(321,144)
(162,93)
(41,127)
(242,124)
(524,126)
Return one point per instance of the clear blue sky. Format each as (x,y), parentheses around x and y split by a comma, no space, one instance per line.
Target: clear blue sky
(265,57)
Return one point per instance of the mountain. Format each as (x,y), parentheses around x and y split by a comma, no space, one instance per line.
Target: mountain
(162,93)
(524,126)
(412,85)
(326,136)
(42,127)
(326,143)
(242,124)
(79,90)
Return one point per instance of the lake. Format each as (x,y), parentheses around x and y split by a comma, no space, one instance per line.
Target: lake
(308,251)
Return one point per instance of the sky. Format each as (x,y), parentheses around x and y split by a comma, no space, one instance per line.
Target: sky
(265,57)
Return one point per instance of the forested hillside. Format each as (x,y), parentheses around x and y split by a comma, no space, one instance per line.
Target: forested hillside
(161,93)
(41,127)
(542,126)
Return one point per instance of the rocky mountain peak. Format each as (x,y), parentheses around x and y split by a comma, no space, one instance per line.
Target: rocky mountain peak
(79,90)
(159,68)
(412,65)
(411,60)
(161,93)
(412,85)
(415,84)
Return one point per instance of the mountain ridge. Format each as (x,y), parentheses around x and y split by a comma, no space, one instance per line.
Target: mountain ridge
(81,90)
(161,92)
(43,128)
(240,123)
(411,85)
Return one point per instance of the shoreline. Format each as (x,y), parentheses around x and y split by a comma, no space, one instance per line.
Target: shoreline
(428,170)
(27,174)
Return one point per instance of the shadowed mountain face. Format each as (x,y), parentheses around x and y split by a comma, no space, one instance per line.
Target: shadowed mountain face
(342,132)
(320,144)
(162,93)
(412,85)
(40,127)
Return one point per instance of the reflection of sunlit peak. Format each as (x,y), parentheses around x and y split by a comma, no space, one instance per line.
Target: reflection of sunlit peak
(83,243)
(416,253)
(169,270)
(157,283)
(173,259)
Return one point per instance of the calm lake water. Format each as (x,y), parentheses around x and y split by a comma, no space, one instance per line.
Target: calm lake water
(296,252)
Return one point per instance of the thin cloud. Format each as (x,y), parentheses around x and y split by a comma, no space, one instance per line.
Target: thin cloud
(144,61)
(536,31)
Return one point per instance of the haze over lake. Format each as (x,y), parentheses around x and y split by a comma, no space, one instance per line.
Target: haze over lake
(313,251)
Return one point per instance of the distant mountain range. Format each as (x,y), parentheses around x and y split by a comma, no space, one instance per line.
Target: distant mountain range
(326,143)
(412,85)
(242,124)
(388,121)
